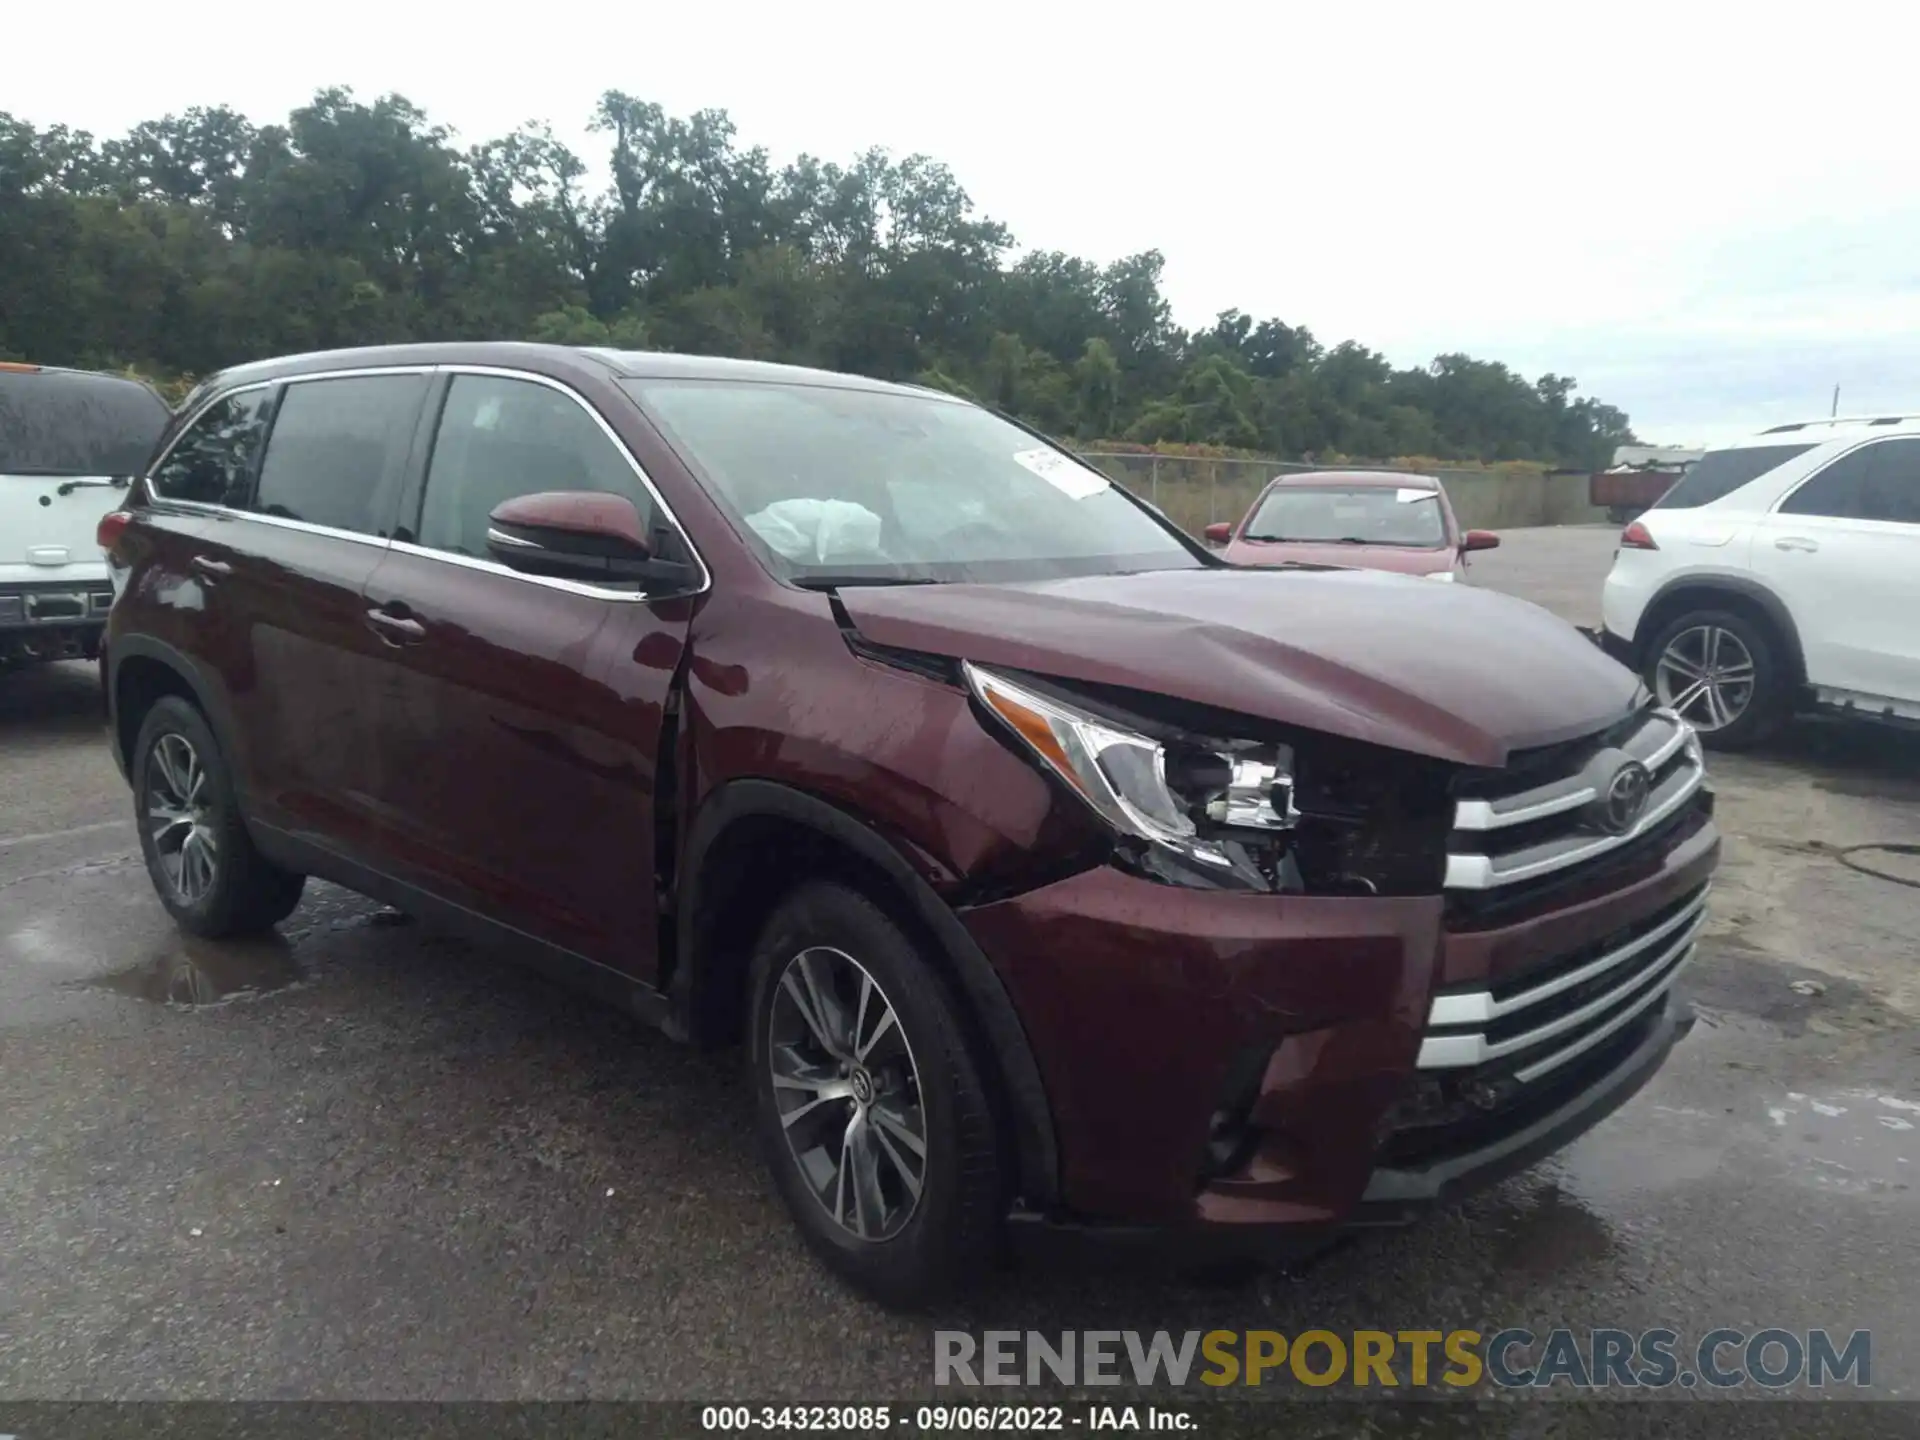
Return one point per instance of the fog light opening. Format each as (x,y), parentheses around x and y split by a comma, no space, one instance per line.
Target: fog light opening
(1231,1143)
(1232,1137)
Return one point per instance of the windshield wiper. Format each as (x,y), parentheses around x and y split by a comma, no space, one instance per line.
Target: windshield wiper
(836,582)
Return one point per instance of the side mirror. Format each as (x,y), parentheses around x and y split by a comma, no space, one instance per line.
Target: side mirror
(1479,540)
(578,535)
(1220,532)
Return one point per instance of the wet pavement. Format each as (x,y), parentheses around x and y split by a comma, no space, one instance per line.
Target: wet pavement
(366,1160)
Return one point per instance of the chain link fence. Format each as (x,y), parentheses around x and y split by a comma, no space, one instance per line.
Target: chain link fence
(1195,491)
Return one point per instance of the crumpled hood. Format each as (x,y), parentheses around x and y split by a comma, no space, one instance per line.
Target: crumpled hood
(1442,670)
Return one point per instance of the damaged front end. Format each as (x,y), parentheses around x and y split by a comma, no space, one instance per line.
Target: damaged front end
(1208,799)
(1228,1002)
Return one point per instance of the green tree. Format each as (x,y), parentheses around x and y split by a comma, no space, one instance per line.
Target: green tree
(198,240)
(1005,375)
(1096,377)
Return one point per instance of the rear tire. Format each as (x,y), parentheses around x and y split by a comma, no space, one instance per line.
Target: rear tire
(825,1106)
(1722,671)
(201,859)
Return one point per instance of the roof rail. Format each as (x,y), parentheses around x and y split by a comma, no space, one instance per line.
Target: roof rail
(1837,420)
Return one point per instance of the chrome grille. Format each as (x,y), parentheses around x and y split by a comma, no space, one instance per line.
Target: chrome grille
(1551,826)
(1530,1027)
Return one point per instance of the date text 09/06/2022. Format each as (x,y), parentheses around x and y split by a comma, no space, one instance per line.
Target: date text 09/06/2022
(741,1419)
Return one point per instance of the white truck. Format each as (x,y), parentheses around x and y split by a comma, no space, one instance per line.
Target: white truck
(69,442)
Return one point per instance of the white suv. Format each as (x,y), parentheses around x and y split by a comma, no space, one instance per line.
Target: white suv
(69,441)
(1780,572)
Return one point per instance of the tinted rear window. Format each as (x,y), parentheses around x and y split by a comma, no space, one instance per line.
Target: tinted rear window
(56,423)
(1875,482)
(1725,471)
(337,450)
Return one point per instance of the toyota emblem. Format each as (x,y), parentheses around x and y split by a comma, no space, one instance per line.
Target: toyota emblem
(1619,809)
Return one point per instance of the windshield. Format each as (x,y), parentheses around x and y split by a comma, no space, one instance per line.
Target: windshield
(861,486)
(56,422)
(1360,515)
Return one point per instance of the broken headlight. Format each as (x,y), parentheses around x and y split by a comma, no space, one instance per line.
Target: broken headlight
(1218,811)
(1195,796)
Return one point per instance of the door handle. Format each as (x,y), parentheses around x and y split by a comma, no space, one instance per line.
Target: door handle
(1796,542)
(213,569)
(395,629)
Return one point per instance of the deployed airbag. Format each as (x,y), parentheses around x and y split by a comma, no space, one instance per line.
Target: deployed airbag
(817,532)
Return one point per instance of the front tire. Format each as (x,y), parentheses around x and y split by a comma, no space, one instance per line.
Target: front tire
(202,861)
(1721,672)
(871,1110)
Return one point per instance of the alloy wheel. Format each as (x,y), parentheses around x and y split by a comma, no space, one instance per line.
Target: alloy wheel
(179,817)
(848,1092)
(1706,675)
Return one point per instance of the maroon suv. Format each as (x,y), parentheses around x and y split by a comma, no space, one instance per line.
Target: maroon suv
(1049,868)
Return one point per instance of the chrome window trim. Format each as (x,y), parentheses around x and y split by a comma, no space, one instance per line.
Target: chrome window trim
(227,512)
(1480,1008)
(552,582)
(471,562)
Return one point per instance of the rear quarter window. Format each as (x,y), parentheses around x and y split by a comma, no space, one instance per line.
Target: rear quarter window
(212,462)
(1724,471)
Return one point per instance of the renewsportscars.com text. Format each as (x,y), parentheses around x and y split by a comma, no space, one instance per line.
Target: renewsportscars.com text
(1771,1358)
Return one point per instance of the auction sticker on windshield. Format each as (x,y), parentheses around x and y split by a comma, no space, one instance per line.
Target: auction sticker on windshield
(1064,474)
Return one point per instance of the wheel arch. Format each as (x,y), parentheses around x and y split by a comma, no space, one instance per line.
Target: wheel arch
(142,669)
(749,828)
(1739,594)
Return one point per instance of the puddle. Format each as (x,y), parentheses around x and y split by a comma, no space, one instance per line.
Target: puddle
(1664,1149)
(203,972)
(1546,1229)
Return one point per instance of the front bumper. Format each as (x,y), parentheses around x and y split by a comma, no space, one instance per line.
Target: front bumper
(1395,1195)
(1153,1012)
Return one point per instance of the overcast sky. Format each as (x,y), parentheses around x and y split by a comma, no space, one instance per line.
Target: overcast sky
(1703,212)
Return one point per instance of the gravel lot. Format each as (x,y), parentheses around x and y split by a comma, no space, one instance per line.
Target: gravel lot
(402,1168)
